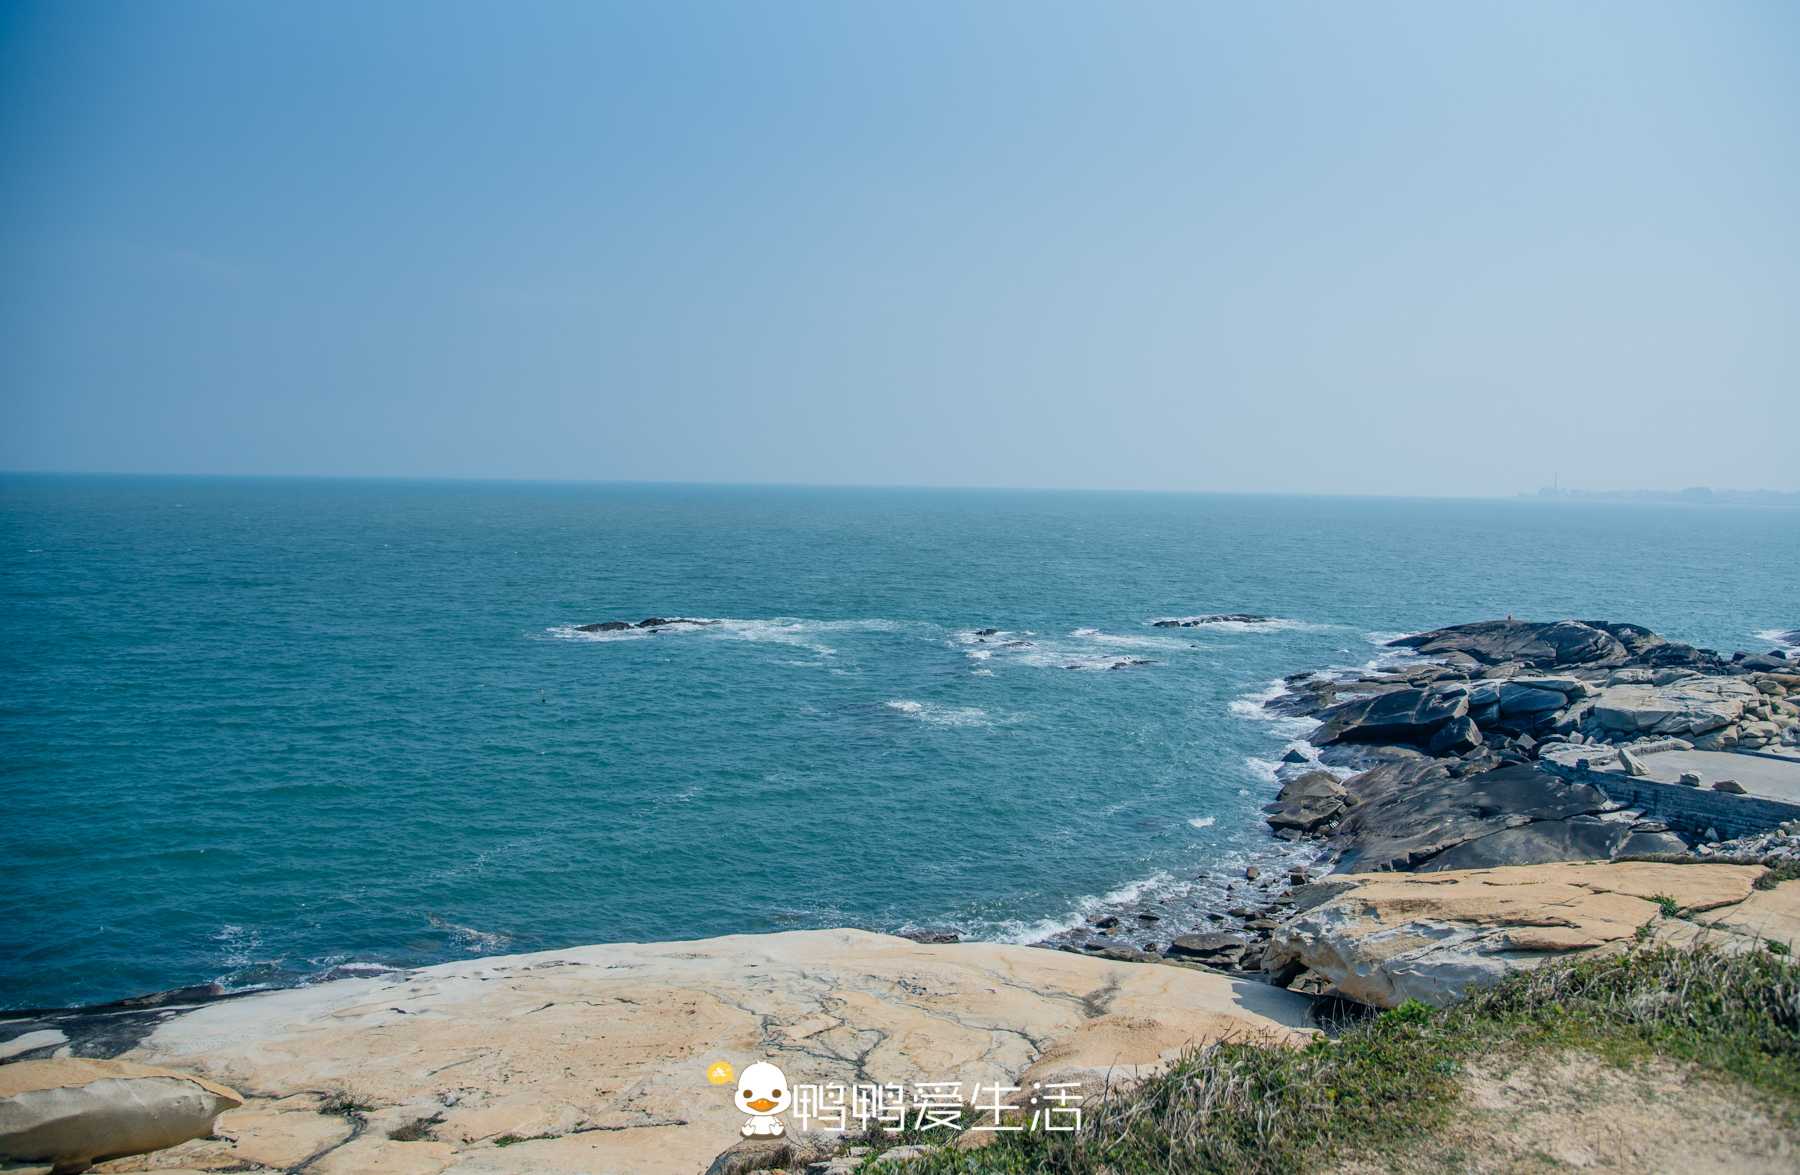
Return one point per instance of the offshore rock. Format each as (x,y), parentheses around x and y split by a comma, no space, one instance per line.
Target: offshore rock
(603,626)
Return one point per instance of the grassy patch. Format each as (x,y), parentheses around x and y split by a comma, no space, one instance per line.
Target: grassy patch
(344,1104)
(1237,1109)
(418,1130)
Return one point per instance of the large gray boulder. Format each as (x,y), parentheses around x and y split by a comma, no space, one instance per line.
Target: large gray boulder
(1406,813)
(1538,843)
(1692,705)
(1306,804)
(67,1113)
(1456,737)
(1516,699)
(1403,716)
(1493,642)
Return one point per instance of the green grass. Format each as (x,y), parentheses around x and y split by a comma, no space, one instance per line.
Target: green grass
(1238,1109)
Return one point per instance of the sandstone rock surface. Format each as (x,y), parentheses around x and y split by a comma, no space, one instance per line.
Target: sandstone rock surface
(71,1112)
(1431,936)
(596,1057)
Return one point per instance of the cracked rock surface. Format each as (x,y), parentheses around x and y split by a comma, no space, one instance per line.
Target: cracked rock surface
(595,1058)
(1384,939)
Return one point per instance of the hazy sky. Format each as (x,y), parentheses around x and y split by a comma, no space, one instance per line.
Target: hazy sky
(1362,247)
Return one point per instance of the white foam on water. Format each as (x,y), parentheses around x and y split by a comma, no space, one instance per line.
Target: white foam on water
(475,942)
(1266,625)
(1265,769)
(1202,821)
(239,947)
(941,715)
(569,632)
(786,630)
(1773,637)
(1251,705)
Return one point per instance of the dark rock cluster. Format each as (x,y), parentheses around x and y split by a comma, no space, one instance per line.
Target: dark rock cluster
(1443,753)
(653,622)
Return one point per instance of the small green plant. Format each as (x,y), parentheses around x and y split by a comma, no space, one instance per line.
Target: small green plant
(1776,946)
(1384,1081)
(1670,908)
(509,1139)
(344,1104)
(418,1130)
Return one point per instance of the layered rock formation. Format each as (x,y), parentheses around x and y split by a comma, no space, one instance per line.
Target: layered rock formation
(1450,743)
(596,1058)
(1386,939)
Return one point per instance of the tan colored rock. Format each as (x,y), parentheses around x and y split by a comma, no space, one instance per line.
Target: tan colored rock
(1432,936)
(1771,915)
(379,1156)
(606,1047)
(72,1112)
(279,1137)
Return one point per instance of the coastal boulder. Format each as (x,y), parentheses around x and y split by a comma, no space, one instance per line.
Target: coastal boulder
(1456,737)
(1494,642)
(1408,812)
(1579,838)
(1516,699)
(1403,716)
(1691,705)
(69,1113)
(1306,804)
(1214,949)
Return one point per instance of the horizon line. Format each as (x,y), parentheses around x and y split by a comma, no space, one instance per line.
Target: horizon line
(1562,496)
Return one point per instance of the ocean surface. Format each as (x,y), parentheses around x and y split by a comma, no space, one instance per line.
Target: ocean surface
(260,731)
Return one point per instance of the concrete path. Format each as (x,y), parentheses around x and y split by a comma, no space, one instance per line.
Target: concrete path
(1772,779)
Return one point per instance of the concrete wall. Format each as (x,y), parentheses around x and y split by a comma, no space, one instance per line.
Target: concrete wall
(1689,809)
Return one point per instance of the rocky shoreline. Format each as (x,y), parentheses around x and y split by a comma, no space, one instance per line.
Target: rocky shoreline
(1477,751)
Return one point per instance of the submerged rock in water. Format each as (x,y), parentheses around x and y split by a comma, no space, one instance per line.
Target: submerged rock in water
(604,626)
(1229,618)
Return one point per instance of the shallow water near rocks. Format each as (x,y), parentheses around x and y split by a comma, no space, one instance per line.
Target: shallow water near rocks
(263,730)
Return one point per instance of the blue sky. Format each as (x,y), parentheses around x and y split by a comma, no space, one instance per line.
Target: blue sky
(1330,247)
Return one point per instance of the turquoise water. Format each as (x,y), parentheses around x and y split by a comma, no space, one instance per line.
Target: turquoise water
(258,730)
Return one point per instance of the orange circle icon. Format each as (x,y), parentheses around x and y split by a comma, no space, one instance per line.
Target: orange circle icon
(718,1073)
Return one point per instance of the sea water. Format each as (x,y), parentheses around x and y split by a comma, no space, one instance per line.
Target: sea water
(260,731)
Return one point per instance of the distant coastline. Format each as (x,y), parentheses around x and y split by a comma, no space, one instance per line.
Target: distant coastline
(1694,495)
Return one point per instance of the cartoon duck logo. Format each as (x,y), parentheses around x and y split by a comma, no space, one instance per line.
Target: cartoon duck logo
(762,1093)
